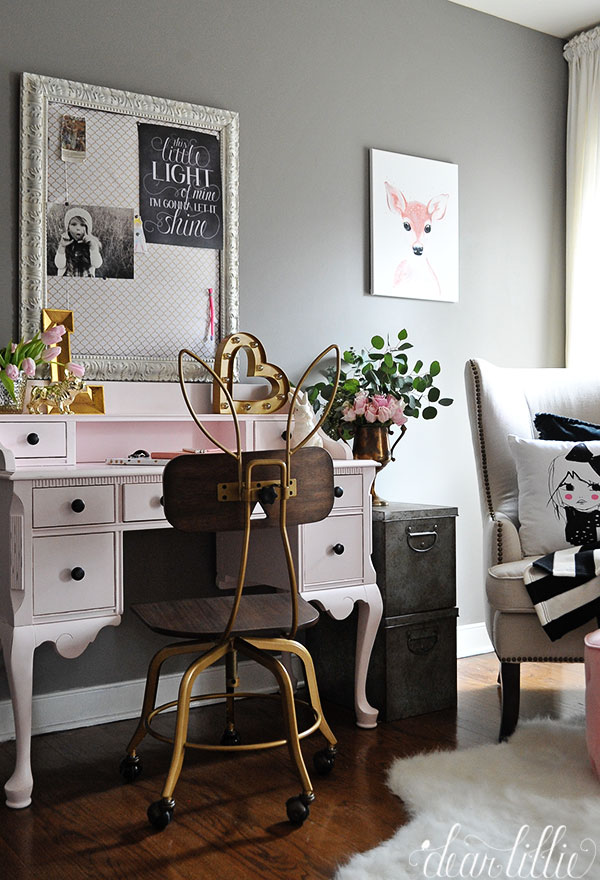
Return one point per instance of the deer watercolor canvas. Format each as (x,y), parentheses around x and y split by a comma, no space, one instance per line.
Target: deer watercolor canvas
(414,227)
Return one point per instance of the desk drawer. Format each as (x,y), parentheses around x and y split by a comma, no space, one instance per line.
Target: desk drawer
(267,433)
(351,488)
(73,506)
(142,501)
(322,563)
(75,573)
(31,439)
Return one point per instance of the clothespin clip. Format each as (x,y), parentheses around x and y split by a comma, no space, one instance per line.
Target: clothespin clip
(139,239)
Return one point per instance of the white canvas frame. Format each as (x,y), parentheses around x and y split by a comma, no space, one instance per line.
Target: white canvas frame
(409,190)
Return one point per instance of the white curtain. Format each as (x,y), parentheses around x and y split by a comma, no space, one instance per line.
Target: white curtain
(583,201)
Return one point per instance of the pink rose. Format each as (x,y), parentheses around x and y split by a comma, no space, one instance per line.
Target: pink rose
(383,414)
(50,353)
(28,367)
(371,414)
(380,400)
(76,369)
(349,414)
(360,402)
(398,418)
(12,371)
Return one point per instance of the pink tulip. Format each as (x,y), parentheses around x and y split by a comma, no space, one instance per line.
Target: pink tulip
(12,371)
(28,367)
(76,369)
(53,335)
(50,353)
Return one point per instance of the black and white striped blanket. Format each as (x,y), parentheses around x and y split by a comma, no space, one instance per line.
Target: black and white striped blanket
(565,589)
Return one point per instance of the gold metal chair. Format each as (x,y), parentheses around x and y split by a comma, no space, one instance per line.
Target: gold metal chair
(221,492)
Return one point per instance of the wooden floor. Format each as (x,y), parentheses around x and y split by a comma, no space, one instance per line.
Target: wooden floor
(229,820)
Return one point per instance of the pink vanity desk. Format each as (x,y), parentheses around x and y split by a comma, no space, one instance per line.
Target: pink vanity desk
(63,512)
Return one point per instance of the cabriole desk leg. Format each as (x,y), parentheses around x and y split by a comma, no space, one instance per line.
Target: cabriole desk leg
(369,616)
(338,602)
(18,647)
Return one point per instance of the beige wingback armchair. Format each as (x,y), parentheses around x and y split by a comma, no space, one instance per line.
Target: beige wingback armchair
(503,401)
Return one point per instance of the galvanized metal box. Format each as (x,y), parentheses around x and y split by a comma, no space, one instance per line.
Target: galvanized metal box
(413,664)
(415,557)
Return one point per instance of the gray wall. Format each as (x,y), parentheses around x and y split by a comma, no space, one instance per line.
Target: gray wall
(316,83)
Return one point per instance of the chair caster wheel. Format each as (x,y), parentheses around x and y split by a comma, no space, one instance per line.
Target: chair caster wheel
(324,760)
(160,813)
(130,767)
(231,738)
(297,809)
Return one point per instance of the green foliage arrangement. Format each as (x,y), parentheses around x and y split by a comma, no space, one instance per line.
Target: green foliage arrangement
(378,387)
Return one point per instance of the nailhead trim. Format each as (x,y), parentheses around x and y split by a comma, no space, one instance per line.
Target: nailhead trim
(541,659)
(483,459)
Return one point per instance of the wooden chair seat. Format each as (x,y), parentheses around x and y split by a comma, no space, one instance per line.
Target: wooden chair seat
(266,615)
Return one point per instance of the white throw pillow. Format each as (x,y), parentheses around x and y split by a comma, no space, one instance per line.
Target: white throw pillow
(559,493)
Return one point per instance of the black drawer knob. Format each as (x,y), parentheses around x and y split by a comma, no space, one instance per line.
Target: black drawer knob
(162,500)
(338,549)
(33,439)
(284,435)
(77,573)
(338,491)
(78,505)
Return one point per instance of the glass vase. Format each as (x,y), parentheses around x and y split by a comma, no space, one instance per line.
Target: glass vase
(9,404)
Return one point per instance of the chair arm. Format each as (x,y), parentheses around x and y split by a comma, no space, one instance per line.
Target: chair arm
(502,538)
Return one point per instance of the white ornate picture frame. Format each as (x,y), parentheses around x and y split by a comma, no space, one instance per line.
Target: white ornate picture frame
(125,329)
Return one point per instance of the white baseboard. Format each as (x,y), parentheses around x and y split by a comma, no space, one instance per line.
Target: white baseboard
(471,639)
(83,707)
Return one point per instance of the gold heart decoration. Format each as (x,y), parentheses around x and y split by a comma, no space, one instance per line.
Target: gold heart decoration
(257,366)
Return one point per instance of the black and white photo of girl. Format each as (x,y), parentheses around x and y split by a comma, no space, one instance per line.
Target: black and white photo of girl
(89,241)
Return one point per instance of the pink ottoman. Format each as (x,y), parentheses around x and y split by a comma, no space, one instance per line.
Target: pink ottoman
(592,697)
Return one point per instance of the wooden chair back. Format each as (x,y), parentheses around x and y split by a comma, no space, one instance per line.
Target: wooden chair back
(195,488)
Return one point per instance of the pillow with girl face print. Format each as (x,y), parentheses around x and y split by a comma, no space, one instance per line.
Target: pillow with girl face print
(559,493)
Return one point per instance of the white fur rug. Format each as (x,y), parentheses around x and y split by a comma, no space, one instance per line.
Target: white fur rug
(528,808)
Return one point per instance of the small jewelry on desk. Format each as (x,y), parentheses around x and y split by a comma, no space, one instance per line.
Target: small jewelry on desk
(136,460)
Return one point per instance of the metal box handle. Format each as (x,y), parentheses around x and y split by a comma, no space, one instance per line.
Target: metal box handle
(421,542)
(422,641)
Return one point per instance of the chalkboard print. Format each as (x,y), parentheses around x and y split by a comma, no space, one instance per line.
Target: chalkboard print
(181,199)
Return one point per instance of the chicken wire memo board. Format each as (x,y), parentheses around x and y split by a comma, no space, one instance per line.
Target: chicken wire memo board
(129,216)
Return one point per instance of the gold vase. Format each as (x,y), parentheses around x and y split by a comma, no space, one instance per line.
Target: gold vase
(372,442)
(9,404)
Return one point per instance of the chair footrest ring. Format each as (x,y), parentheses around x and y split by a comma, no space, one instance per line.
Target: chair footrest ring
(231,748)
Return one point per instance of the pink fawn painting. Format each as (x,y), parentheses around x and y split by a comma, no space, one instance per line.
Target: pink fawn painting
(414,227)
